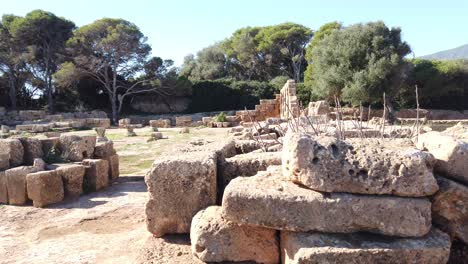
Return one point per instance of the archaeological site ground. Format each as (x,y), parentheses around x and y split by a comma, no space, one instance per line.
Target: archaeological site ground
(301,132)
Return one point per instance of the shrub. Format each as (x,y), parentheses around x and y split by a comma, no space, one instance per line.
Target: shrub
(221,117)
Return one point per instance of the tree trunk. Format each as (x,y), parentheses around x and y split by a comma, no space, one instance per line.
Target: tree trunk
(50,97)
(391,115)
(115,112)
(12,92)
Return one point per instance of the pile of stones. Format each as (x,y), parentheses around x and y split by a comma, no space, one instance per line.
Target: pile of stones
(320,200)
(75,164)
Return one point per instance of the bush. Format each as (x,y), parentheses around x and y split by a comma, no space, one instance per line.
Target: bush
(221,117)
(441,85)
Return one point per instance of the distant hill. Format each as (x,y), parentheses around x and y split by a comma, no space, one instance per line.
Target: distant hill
(451,54)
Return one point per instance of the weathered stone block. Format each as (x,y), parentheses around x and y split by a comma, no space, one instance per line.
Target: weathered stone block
(271,201)
(72,177)
(16,150)
(4,160)
(214,239)
(49,143)
(77,148)
(32,149)
(44,188)
(104,150)
(246,165)
(433,248)
(96,174)
(16,184)
(367,167)
(113,167)
(3,188)
(450,208)
(451,154)
(178,188)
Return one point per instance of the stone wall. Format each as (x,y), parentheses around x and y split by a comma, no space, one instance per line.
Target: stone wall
(48,170)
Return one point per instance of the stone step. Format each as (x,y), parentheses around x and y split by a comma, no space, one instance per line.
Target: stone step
(269,200)
(367,166)
(434,248)
(214,239)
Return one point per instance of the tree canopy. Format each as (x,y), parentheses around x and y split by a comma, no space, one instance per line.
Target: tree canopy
(359,63)
(111,51)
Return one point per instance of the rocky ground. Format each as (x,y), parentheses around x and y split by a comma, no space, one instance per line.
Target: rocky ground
(102,227)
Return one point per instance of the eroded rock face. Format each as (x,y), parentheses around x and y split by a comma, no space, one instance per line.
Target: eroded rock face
(44,188)
(434,248)
(72,177)
(77,148)
(15,149)
(450,208)
(366,167)
(246,165)
(32,150)
(16,184)
(451,154)
(269,200)
(179,186)
(214,239)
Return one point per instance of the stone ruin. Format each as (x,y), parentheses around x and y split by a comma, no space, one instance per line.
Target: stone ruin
(318,200)
(38,121)
(49,170)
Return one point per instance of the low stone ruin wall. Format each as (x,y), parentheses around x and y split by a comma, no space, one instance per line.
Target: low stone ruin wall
(36,121)
(49,170)
(319,200)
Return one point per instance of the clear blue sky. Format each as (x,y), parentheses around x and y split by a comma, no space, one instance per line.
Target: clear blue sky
(176,28)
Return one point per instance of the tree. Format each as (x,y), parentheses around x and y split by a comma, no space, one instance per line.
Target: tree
(12,61)
(286,42)
(360,63)
(114,52)
(247,63)
(324,31)
(45,34)
(210,64)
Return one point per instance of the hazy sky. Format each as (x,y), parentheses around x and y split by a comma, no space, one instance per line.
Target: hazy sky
(176,28)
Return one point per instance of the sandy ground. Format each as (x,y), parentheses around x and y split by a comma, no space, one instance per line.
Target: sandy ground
(103,227)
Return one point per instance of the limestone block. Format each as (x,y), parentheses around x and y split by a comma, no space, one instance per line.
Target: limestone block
(49,143)
(269,200)
(451,154)
(16,184)
(450,208)
(104,150)
(3,188)
(214,239)
(44,188)
(113,167)
(362,166)
(16,150)
(32,149)
(179,186)
(433,248)
(77,148)
(72,177)
(96,174)
(4,160)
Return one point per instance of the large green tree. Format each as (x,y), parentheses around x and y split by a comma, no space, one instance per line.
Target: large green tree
(45,34)
(360,63)
(209,64)
(114,52)
(324,31)
(12,59)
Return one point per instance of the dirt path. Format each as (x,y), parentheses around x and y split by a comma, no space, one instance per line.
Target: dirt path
(103,227)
